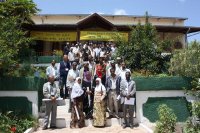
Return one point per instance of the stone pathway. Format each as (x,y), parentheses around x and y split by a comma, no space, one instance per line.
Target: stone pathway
(112,129)
(62,112)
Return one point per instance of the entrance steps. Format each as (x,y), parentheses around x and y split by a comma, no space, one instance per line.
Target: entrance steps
(64,118)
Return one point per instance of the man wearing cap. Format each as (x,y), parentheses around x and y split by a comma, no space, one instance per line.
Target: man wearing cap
(113,66)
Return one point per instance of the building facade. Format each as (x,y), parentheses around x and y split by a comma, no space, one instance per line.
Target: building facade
(53,31)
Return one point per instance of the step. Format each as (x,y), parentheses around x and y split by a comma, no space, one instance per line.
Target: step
(41,114)
(63,123)
(113,122)
(42,108)
(60,122)
(61,103)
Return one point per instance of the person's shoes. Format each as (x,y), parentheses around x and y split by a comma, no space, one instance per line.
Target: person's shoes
(53,127)
(124,126)
(44,128)
(131,126)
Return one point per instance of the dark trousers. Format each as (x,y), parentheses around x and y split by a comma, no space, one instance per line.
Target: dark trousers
(130,109)
(87,108)
(62,85)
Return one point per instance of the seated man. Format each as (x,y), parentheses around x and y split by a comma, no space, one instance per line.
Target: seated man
(51,93)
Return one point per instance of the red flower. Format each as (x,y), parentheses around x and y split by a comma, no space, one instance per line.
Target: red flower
(13,129)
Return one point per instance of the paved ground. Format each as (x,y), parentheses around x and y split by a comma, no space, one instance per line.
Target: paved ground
(63,113)
(112,129)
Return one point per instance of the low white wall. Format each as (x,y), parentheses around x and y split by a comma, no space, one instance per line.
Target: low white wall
(31,95)
(142,97)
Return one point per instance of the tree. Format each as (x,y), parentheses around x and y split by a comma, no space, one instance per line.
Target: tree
(14,14)
(143,51)
(186,62)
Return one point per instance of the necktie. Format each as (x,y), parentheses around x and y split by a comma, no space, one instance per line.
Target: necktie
(51,89)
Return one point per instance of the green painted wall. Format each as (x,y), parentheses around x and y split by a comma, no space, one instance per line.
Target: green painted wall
(23,84)
(161,83)
(142,84)
(20,105)
(178,104)
(48,59)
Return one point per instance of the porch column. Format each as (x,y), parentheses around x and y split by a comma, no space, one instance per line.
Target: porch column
(47,48)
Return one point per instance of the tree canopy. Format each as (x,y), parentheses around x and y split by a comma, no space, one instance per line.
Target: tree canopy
(14,14)
(143,51)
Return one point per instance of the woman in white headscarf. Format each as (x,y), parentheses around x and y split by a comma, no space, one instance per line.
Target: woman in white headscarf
(99,110)
(77,116)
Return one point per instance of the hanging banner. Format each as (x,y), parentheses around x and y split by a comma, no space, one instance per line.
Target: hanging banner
(103,36)
(54,36)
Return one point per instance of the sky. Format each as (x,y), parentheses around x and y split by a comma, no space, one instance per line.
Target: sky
(167,8)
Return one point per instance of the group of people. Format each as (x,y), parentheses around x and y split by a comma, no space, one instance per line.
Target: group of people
(94,84)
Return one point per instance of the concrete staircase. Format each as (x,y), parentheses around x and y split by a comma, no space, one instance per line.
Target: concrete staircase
(64,118)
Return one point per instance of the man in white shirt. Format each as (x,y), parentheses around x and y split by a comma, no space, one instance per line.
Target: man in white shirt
(113,65)
(97,51)
(71,55)
(123,70)
(71,77)
(52,70)
(76,49)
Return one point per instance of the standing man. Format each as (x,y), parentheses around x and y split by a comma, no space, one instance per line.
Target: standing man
(113,89)
(123,70)
(51,93)
(66,48)
(71,77)
(52,70)
(113,66)
(128,89)
(64,68)
(71,56)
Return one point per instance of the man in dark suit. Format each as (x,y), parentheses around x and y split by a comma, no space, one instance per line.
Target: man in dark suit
(64,68)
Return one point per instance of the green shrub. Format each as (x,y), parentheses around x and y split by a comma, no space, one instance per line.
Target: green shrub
(190,127)
(167,120)
(16,123)
(196,109)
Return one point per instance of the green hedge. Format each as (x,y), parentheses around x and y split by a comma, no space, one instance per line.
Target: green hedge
(19,105)
(178,104)
(48,59)
(161,83)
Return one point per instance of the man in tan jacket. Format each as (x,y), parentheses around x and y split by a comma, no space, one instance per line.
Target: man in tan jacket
(51,92)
